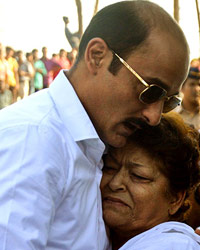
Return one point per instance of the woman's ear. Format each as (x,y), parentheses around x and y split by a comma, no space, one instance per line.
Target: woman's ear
(176,202)
(95,54)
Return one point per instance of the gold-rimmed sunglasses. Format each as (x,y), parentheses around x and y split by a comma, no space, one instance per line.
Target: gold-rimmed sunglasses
(153,93)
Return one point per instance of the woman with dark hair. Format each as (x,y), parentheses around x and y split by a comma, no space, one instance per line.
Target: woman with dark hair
(146,184)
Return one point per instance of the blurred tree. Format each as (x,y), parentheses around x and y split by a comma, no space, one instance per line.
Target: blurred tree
(80,17)
(96,7)
(74,38)
(176,10)
(197,8)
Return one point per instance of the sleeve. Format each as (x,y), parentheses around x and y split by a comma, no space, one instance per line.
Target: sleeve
(166,241)
(31,183)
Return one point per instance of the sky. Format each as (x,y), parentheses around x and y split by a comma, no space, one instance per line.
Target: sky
(28,24)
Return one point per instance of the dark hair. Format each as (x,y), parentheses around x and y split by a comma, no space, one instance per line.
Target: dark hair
(61,50)
(34,51)
(124,26)
(28,54)
(197,194)
(8,49)
(176,145)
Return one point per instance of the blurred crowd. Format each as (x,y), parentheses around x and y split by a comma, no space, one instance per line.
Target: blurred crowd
(22,74)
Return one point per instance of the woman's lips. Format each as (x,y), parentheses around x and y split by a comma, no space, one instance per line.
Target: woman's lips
(115,201)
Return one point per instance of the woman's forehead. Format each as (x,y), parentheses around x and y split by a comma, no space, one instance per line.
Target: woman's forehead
(130,153)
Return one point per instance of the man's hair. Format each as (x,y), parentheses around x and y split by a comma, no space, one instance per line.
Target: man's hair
(175,146)
(28,54)
(124,26)
(8,49)
(34,51)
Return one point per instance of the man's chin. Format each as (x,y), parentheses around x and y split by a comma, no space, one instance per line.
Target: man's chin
(120,137)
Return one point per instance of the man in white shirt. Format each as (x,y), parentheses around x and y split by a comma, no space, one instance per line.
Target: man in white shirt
(52,142)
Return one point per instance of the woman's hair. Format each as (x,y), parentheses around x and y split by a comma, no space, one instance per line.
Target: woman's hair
(125,25)
(176,146)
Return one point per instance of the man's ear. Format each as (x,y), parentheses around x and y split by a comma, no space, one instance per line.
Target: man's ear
(176,202)
(95,54)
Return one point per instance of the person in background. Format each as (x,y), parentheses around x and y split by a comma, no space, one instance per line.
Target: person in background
(63,60)
(72,56)
(5,93)
(55,58)
(40,71)
(51,67)
(190,106)
(19,56)
(194,63)
(132,60)
(12,73)
(146,185)
(3,71)
(26,76)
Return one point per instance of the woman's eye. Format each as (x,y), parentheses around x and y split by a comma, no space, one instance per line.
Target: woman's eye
(139,177)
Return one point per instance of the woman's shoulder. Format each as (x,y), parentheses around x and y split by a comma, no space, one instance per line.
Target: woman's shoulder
(165,236)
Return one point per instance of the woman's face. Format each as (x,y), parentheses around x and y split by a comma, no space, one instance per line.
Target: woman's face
(134,191)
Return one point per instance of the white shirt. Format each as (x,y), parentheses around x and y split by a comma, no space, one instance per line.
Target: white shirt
(50,171)
(166,236)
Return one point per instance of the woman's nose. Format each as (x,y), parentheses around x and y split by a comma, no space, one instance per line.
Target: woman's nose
(117,183)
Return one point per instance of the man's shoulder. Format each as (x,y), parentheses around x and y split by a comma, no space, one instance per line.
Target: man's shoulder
(31,110)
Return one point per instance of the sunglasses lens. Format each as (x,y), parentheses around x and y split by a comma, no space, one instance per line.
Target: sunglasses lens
(172,103)
(152,94)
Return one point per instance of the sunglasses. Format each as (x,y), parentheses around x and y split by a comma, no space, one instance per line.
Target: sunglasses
(153,93)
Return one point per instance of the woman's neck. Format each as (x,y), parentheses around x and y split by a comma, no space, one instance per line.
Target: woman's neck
(118,240)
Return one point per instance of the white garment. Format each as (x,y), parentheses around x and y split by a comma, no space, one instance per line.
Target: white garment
(50,170)
(166,236)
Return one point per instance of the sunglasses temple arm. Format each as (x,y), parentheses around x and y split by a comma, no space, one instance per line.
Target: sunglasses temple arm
(132,71)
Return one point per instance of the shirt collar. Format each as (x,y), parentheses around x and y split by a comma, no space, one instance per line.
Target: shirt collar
(71,110)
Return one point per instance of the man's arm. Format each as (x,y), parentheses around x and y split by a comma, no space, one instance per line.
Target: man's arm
(29,183)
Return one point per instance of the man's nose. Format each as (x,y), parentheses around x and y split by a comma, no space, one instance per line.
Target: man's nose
(152,112)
